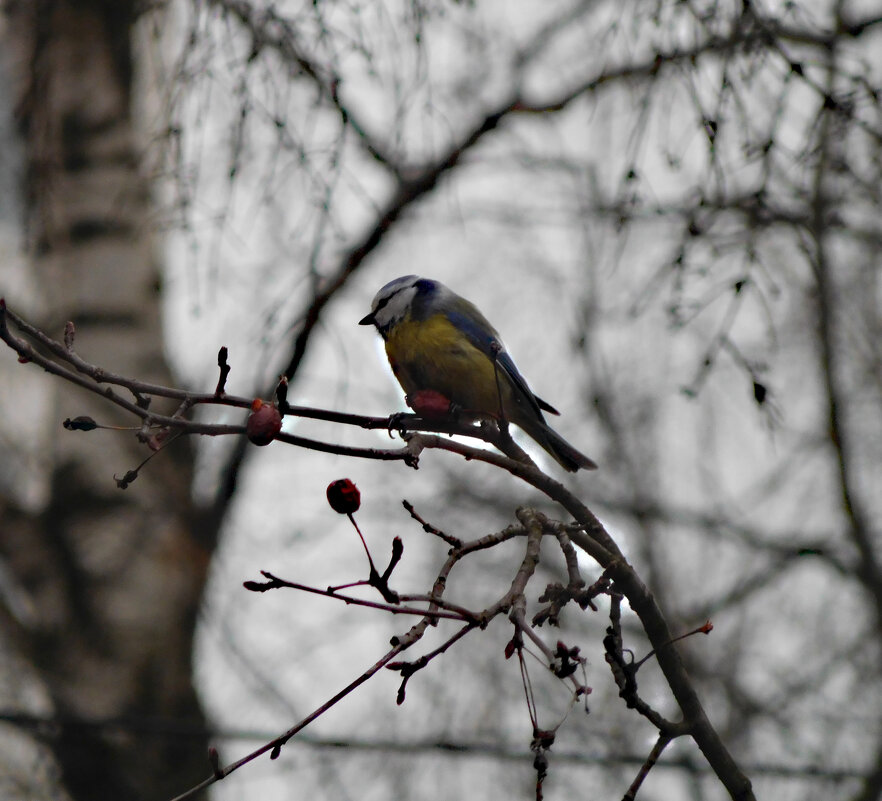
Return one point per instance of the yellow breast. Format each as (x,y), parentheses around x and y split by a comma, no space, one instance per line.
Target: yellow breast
(434,354)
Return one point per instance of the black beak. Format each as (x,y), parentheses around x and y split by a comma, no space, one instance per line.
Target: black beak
(367,320)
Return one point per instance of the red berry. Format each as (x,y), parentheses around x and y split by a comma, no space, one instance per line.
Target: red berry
(344,496)
(263,423)
(429,403)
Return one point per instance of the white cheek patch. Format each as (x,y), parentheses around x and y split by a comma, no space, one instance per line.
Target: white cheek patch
(396,307)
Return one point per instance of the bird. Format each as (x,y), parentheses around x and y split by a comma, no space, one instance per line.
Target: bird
(439,345)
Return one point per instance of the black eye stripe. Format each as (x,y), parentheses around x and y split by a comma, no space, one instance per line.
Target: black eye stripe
(383,302)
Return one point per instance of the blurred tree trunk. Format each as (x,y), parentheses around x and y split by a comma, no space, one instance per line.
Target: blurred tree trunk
(112,578)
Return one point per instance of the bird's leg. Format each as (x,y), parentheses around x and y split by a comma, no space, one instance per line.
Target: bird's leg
(396,422)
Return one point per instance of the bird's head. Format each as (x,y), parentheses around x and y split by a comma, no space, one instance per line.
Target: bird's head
(396,301)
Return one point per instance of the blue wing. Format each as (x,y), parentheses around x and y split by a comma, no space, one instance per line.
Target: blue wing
(484,336)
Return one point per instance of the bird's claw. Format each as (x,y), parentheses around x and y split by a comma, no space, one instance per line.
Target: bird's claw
(396,422)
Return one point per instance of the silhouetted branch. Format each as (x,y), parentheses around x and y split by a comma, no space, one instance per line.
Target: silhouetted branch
(588,534)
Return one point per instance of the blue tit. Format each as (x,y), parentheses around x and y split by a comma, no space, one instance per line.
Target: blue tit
(437,341)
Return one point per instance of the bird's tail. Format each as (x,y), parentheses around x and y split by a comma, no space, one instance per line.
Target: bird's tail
(564,454)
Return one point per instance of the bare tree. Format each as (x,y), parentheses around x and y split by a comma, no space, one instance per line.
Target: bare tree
(110,582)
